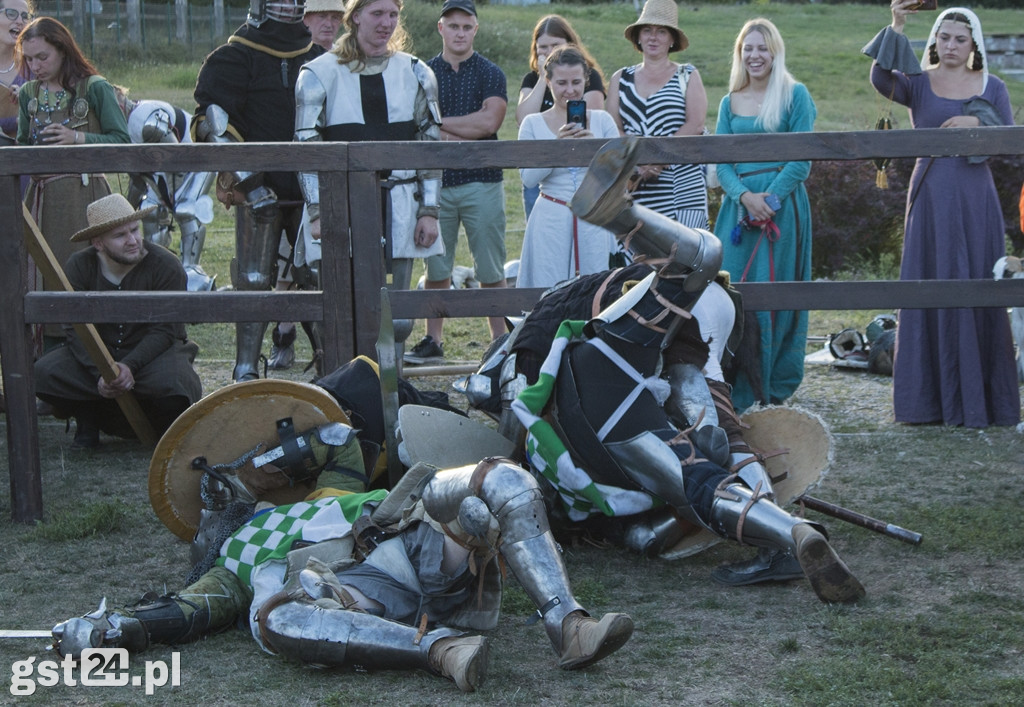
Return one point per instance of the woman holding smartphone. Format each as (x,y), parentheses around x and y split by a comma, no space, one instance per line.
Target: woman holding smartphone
(534,96)
(557,245)
(765,219)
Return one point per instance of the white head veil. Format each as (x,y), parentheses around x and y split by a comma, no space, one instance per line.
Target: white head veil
(979,40)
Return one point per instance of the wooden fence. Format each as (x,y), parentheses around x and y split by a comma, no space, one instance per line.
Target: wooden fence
(352,267)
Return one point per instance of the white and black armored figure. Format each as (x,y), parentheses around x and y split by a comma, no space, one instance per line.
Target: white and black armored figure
(181,198)
(360,92)
(626,417)
(245,92)
(380,580)
(336,103)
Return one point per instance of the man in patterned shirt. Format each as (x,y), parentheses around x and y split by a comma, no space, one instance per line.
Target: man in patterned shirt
(473,104)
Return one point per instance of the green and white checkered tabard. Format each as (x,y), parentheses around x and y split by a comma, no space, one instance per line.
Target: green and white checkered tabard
(272,534)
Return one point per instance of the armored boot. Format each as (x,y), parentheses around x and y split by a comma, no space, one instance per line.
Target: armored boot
(248,342)
(193,237)
(214,602)
(333,637)
(99,629)
(516,502)
(257,234)
(601,199)
(282,353)
(737,513)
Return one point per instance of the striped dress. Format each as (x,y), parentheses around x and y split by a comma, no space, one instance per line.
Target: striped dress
(681,191)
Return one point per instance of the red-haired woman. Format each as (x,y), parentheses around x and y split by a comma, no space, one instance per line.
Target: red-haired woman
(66,103)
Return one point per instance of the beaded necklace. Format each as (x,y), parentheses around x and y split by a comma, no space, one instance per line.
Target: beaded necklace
(36,107)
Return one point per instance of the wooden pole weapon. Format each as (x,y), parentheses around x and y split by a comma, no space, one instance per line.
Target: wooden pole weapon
(879,526)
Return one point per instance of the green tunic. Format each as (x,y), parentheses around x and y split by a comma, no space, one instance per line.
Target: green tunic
(58,201)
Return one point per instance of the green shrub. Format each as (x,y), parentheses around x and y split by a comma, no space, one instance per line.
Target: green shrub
(858,228)
(854,222)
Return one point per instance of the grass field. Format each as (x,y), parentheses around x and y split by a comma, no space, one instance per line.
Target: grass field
(942,624)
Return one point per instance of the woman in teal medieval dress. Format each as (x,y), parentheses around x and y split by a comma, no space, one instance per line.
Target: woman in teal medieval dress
(765,221)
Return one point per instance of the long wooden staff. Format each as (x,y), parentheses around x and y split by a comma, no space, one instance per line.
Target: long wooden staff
(53,273)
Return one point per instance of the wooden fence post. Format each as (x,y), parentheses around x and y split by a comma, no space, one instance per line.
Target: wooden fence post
(15,350)
(336,270)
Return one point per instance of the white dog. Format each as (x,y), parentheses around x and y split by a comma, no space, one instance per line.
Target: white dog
(1007,267)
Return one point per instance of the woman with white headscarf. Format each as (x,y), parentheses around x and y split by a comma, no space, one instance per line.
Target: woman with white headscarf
(952,366)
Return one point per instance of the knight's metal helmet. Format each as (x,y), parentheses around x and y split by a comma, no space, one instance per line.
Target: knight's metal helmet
(287,11)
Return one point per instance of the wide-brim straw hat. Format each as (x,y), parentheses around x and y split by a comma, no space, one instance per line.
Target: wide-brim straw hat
(659,13)
(325,6)
(108,213)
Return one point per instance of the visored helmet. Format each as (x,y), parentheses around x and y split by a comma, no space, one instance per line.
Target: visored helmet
(287,11)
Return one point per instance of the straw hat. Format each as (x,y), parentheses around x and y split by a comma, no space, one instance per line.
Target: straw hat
(324,6)
(659,13)
(107,214)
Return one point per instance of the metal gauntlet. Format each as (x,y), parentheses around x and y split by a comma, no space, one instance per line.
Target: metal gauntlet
(215,126)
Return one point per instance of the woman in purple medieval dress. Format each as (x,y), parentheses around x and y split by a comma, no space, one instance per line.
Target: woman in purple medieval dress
(952,366)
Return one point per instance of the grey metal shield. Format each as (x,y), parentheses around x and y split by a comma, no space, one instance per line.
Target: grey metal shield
(446,439)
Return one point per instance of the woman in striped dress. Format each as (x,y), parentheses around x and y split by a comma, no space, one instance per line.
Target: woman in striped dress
(658,98)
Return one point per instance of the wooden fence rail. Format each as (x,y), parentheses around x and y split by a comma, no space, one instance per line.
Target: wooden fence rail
(352,268)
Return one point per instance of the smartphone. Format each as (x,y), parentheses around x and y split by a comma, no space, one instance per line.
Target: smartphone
(576,112)
(926,5)
(773,202)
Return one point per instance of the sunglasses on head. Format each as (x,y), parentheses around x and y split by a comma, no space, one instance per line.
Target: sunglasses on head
(12,14)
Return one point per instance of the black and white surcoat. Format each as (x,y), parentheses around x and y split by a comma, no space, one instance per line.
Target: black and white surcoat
(376,99)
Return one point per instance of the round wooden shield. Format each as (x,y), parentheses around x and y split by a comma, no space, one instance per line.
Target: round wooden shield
(222,427)
(807,447)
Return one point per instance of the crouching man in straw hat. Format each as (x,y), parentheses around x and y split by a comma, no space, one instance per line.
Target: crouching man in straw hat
(374,579)
(154,361)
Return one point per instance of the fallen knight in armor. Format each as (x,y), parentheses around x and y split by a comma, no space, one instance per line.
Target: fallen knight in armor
(627,415)
(379,580)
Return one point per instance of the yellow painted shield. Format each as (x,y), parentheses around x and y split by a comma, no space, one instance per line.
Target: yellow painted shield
(222,427)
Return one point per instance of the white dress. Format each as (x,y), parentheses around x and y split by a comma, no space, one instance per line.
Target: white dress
(548,254)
